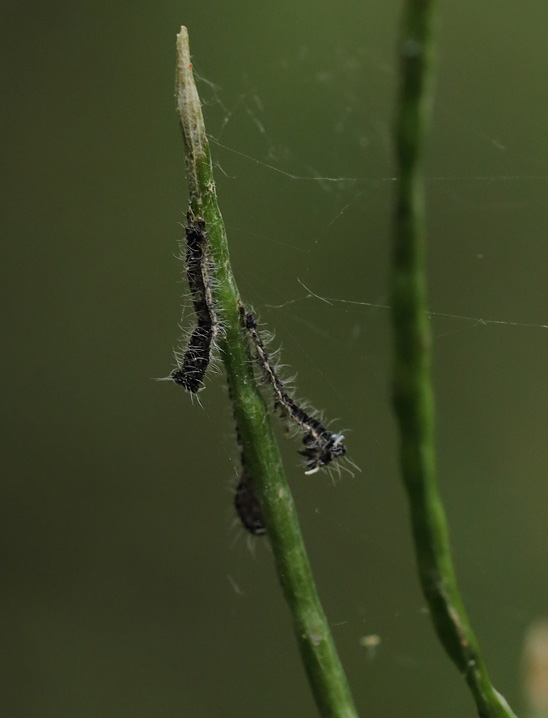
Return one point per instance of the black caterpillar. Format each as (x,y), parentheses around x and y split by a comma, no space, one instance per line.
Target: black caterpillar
(321,446)
(190,373)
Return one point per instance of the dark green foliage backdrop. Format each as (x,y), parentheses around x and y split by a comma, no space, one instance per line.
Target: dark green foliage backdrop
(125,589)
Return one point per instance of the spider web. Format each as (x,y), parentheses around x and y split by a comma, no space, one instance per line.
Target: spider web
(311,253)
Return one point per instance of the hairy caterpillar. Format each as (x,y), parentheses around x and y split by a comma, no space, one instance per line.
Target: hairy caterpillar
(191,371)
(321,445)
(248,507)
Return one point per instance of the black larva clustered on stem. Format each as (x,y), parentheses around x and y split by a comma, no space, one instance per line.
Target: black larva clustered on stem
(248,507)
(190,374)
(322,446)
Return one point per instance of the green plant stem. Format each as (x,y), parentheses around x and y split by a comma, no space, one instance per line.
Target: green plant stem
(413,396)
(325,673)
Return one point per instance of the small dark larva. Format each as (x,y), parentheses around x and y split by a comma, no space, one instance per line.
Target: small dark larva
(321,446)
(190,374)
(248,507)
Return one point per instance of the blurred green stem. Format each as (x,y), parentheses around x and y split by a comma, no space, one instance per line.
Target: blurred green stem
(413,396)
(318,651)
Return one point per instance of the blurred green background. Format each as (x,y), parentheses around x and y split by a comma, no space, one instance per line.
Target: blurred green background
(127,590)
